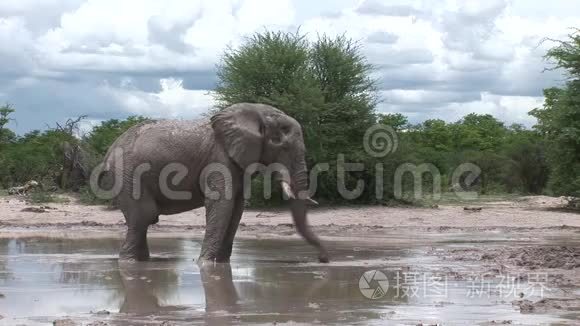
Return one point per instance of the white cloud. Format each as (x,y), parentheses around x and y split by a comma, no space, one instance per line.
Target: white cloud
(20,6)
(435,58)
(382,37)
(420,106)
(423,97)
(511,109)
(16,46)
(172,101)
(86,125)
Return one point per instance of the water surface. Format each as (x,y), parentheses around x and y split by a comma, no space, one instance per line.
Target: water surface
(44,279)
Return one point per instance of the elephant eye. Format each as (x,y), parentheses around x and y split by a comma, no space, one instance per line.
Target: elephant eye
(285,129)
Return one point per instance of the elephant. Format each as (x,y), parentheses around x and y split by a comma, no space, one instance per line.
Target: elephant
(234,140)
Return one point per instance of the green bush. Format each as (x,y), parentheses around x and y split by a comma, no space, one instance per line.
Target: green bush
(87,196)
(43,197)
(41,155)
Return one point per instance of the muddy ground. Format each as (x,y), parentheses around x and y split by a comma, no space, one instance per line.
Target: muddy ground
(527,237)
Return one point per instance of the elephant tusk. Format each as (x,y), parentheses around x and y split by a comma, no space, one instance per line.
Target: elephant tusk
(290,195)
(287,190)
(312,201)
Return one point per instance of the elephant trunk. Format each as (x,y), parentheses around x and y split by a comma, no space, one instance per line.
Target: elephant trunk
(297,194)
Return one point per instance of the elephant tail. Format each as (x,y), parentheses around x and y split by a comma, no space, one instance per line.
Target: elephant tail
(111,167)
(105,183)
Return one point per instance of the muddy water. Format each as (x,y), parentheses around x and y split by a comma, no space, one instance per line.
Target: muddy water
(42,280)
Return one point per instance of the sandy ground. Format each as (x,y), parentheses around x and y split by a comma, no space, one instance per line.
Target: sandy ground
(533,219)
(526,212)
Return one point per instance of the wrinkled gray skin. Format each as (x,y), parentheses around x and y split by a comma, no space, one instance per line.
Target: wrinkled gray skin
(235,137)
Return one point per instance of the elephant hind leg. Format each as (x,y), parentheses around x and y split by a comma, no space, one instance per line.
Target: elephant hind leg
(138,216)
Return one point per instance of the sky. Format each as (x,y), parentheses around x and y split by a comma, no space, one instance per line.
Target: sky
(105,59)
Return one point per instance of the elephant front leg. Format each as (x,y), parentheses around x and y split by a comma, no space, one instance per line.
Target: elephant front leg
(218,217)
(226,250)
(135,246)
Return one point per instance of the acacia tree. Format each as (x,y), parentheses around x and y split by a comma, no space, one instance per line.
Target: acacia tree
(559,119)
(6,135)
(325,85)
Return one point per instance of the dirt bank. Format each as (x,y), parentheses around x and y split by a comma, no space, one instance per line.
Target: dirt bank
(525,212)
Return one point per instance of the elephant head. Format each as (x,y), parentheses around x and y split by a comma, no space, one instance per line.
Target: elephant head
(258,133)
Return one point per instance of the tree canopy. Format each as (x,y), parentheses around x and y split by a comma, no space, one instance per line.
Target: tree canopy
(6,135)
(559,118)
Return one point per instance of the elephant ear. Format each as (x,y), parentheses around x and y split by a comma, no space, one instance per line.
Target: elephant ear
(240,129)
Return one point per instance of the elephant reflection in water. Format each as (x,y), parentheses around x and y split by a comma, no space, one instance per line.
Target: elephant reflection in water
(218,286)
(144,286)
(221,296)
(291,296)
